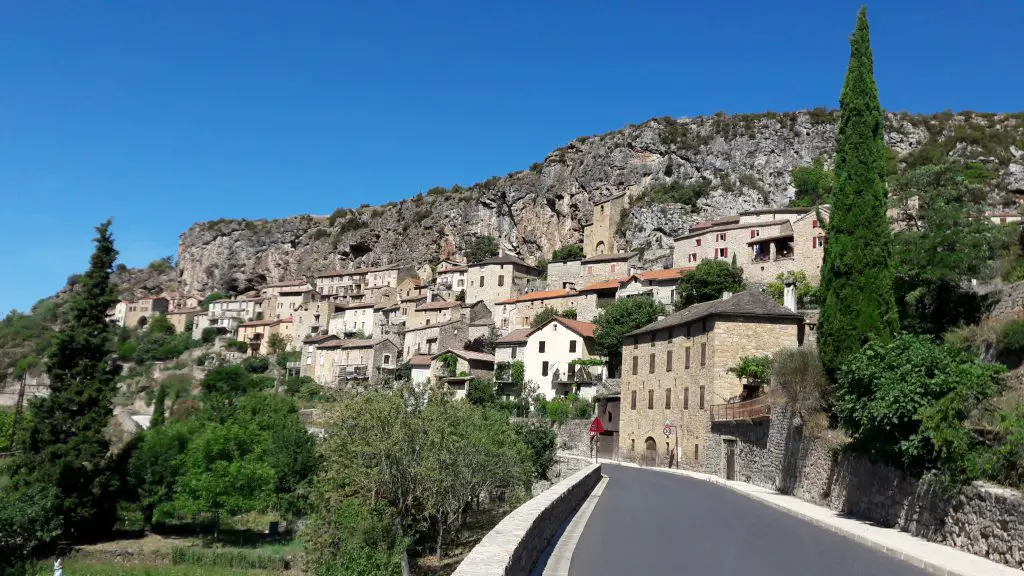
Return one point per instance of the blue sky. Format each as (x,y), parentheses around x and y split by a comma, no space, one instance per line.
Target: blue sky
(160,114)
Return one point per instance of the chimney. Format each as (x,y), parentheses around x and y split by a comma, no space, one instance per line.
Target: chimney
(789,295)
(726,295)
(430,294)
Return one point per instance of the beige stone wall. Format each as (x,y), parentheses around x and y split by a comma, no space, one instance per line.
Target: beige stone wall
(663,291)
(726,341)
(181,319)
(686,252)
(599,236)
(601,271)
(434,339)
(521,314)
(312,318)
(512,280)
(420,318)
(565,275)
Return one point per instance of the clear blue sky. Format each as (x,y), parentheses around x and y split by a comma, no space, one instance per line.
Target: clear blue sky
(160,114)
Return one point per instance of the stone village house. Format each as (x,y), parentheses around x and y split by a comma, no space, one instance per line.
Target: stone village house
(257,334)
(676,371)
(284,298)
(499,278)
(469,365)
(599,233)
(519,311)
(138,313)
(349,363)
(549,355)
(658,284)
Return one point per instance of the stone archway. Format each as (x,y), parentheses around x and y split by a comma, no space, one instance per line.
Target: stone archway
(142,323)
(600,248)
(650,452)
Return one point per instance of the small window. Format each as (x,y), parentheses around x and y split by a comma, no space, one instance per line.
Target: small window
(650,399)
(481,281)
(686,358)
(387,358)
(540,346)
(544,368)
(501,279)
(703,353)
(701,398)
(686,398)
(636,362)
(610,415)
(696,452)
(590,269)
(668,361)
(814,223)
(698,242)
(752,234)
(650,369)
(632,400)
(814,242)
(514,351)
(572,346)
(613,268)
(668,398)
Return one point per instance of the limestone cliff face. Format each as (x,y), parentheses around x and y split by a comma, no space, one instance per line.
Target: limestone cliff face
(743,162)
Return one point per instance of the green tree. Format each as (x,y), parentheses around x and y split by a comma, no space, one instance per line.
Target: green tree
(278,343)
(158,407)
(619,318)
(159,324)
(943,241)
(540,440)
(813,183)
(224,386)
(210,334)
(902,401)
(857,272)
(482,248)
(481,392)
(65,445)
(205,304)
(155,464)
(548,313)
(568,252)
(707,282)
(165,264)
(806,293)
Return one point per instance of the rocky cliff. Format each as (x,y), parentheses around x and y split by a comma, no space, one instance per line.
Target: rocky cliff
(734,163)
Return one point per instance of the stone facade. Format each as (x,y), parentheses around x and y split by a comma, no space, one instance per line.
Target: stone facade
(181,319)
(354,364)
(674,375)
(258,332)
(980,518)
(565,275)
(435,338)
(519,312)
(606,267)
(428,313)
(313,318)
(139,313)
(599,234)
(353,318)
(498,278)
(658,284)
(228,314)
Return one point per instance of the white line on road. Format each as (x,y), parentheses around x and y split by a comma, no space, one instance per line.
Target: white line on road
(558,563)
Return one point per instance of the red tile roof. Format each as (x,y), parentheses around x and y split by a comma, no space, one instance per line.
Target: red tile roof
(666,274)
(606,285)
(253,323)
(420,360)
(438,305)
(467,354)
(514,336)
(577,326)
(540,295)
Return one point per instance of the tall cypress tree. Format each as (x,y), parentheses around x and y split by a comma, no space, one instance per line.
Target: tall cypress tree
(857,273)
(65,446)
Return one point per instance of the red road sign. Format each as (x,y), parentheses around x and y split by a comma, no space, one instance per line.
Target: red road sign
(596,427)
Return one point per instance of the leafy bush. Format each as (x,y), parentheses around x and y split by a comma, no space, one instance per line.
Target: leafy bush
(210,333)
(618,318)
(813,183)
(568,252)
(548,313)
(1004,462)
(799,381)
(905,401)
(237,346)
(806,293)
(565,408)
(481,392)
(256,364)
(675,192)
(482,248)
(1011,338)
(540,440)
(238,559)
(165,264)
(753,368)
(707,282)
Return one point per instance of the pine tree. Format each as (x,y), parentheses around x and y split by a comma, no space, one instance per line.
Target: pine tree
(65,446)
(158,407)
(857,272)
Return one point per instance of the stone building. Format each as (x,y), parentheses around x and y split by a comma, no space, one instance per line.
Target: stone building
(607,267)
(420,364)
(117,314)
(429,313)
(138,313)
(354,363)
(313,318)
(607,400)
(599,233)
(257,334)
(519,312)
(499,278)
(469,365)
(997,217)
(565,274)
(436,337)
(357,284)
(307,362)
(658,284)
(675,372)
(765,243)
(183,319)
(560,357)
(507,349)
(284,298)
(229,313)
(350,319)
(451,277)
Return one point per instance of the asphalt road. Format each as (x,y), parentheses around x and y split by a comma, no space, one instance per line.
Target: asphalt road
(652,523)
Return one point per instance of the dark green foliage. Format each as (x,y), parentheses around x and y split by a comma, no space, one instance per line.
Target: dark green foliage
(256,364)
(29,522)
(540,440)
(237,346)
(754,369)
(224,385)
(619,318)
(482,248)
(905,401)
(806,293)
(813,183)
(1011,338)
(481,392)
(357,538)
(156,343)
(294,385)
(568,252)
(210,333)
(675,192)
(944,241)
(156,463)
(857,273)
(284,358)
(27,335)
(461,296)
(1004,462)
(158,407)
(564,408)
(548,313)
(707,282)
(65,446)
(205,304)
(165,264)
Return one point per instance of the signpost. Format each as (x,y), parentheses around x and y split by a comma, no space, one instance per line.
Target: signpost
(595,428)
(668,430)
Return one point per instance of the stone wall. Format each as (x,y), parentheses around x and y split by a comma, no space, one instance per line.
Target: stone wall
(981,518)
(517,542)
(573,438)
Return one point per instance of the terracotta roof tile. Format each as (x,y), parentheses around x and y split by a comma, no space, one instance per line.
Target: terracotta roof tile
(514,336)
(577,326)
(420,360)
(606,285)
(467,354)
(666,274)
(540,295)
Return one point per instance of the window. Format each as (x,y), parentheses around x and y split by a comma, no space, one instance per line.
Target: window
(814,223)
(668,361)
(701,404)
(610,416)
(752,234)
(636,362)
(540,346)
(590,269)
(514,351)
(686,358)
(650,368)
(387,359)
(668,398)
(613,268)
(814,242)
(723,252)
(501,279)
(698,242)
(428,321)
(822,241)
(696,452)
(703,353)
(686,398)
(632,400)
(650,399)
(544,368)
(572,346)
(481,281)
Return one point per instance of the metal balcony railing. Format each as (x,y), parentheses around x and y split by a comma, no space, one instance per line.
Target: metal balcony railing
(747,410)
(351,372)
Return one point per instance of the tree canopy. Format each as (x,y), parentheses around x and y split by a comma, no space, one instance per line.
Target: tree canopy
(482,248)
(617,319)
(568,252)
(707,282)
(813,183)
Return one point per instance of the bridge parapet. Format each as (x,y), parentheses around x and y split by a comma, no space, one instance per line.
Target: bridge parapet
(517,542)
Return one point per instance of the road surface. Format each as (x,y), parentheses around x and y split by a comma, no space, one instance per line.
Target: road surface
(652,523)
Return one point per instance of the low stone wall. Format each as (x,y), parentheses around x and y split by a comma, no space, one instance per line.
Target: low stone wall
(517,542)
(981,518)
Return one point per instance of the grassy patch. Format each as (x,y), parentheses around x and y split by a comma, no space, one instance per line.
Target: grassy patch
(85,568)
(228,558)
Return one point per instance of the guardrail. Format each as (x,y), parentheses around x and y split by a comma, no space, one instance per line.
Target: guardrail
(515,545)
(748,410)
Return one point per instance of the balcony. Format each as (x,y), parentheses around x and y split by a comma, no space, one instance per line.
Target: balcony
(755,409)
(351,372)
(577,374)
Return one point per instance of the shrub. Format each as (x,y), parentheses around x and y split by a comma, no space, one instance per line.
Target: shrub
(238,559)
(481,392)
(1011,338)
(256,364)
(210,333)
(165,264)
(237,346)
(540,440)
(799,381)
(568,252)
(482,248)
(707,282)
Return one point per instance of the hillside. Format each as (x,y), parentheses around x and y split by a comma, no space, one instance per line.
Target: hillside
(728,163)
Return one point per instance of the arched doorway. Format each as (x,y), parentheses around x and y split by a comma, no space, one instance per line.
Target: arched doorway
(141,324)
(650,452)
(600,248)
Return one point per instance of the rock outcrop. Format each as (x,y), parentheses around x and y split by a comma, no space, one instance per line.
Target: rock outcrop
(742,162)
